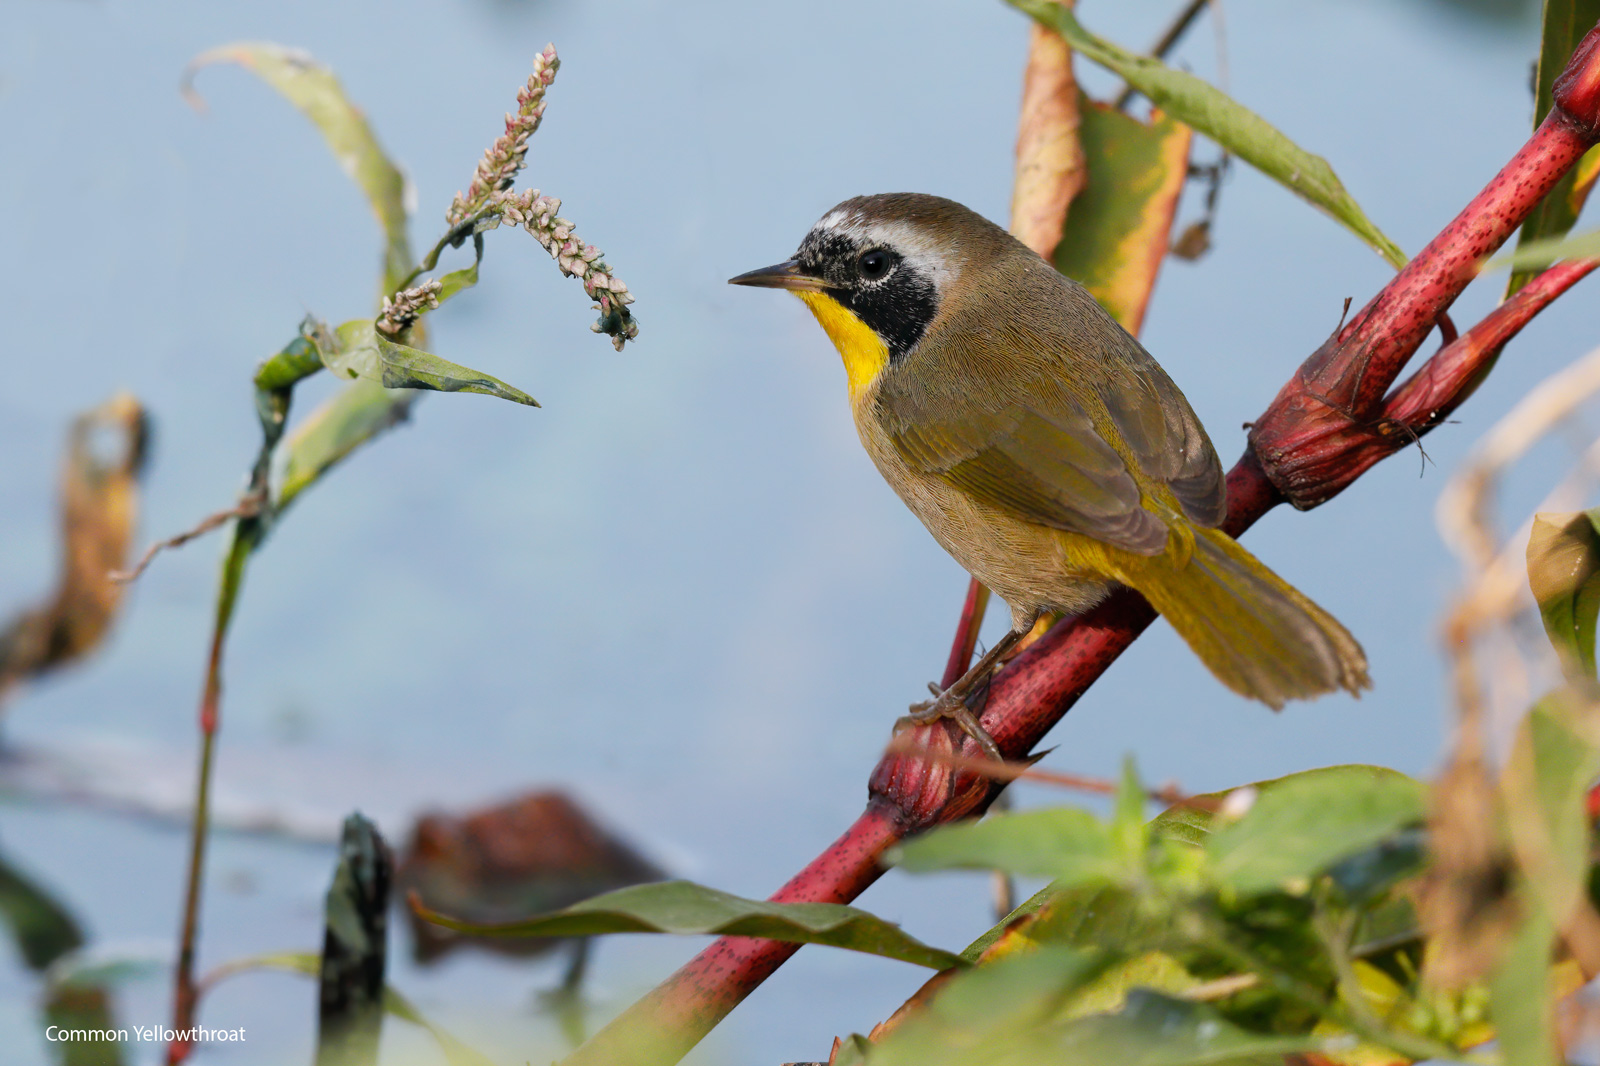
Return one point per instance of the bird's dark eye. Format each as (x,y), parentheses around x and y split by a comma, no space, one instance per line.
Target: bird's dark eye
(874,264)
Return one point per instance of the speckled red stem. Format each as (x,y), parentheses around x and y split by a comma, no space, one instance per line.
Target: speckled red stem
(1333,404)
(1323,429)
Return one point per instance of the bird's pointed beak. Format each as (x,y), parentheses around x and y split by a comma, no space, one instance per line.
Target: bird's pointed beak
(788,275)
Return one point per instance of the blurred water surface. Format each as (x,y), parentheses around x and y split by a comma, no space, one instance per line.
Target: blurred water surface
(679,589)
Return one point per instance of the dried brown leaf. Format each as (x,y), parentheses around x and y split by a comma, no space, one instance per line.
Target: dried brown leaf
(1465,900)
(1050,161)
(99,506)
(539,852)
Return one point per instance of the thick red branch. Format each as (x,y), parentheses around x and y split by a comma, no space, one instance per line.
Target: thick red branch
(1331,403)
(1326,426)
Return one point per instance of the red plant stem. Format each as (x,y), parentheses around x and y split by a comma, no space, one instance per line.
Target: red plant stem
(1431,394)
(966,633)
(1444,382)
(1322,420)
(1303,436)
(186,994)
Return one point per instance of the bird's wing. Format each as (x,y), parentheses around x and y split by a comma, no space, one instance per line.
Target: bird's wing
(1165,437)
(1018,437)
(1042,462)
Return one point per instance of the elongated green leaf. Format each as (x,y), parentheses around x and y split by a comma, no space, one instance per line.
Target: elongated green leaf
(313,89)
(1118,226)
(982,1007)
(344,422)
(1229,123)
(43,929)
(1188,822)
(410,368)
(1070,845)
(1009,1014)
(360,351)
(1130,837)
(1564,574)
(1554,760)
(1520,999)
(1535,254)
(1302,825)
(685,908)
(310,965)
(1564,24)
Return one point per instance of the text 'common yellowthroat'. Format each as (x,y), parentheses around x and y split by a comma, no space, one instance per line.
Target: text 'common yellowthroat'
(1042,446)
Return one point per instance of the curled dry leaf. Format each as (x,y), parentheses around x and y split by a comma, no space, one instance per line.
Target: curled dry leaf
(1050,162)
(537,853)
(99,506)
(313,89)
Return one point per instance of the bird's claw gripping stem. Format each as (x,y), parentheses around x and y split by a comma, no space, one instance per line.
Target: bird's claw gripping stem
(953,705)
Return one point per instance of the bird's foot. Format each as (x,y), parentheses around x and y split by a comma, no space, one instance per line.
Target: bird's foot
(955,706)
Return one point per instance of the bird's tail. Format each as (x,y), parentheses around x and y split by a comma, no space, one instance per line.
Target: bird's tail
(1261,636)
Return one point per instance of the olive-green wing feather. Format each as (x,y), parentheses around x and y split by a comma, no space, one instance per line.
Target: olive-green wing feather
(1042,462)
(1019,430)
(1165,437)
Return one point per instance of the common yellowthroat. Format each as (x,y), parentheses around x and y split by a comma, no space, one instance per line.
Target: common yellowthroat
(1042,446)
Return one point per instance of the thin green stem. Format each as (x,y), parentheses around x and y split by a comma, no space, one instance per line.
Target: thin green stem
(454,237)
(275,382)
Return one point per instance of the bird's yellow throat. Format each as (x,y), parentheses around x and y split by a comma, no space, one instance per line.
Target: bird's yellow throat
(864,352)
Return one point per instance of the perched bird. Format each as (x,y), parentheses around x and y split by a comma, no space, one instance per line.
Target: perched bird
(1042,446)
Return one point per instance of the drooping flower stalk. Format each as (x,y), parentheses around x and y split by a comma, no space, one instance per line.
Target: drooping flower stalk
(506,157)
(537,214)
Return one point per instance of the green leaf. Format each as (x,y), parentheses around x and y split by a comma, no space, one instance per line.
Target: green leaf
(987,1010)
(1564,574)
(1118,226)
(43,929)
(1554,761)
(1157,1030)
(314,90)
(1070,845)
(1024,914)
(1520,999)
(852,1051)
(344,422)
(1129,835)
(1565,22)
(1188,822)
(1542,253)
(1213,113)
(360,351)
(685,908)
(1011,1013)
(1302,825)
